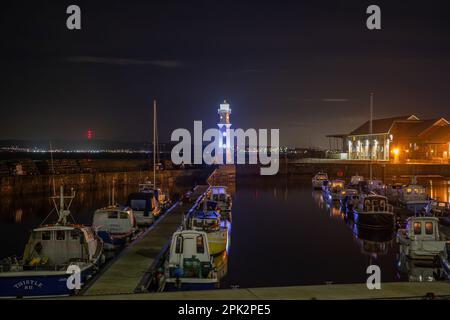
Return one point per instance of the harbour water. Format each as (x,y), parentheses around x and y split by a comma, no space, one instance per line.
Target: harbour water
(283,233)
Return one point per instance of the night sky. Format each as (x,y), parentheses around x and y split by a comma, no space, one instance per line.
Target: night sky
(305,67)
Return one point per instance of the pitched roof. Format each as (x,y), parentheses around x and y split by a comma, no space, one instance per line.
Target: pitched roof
(381,125)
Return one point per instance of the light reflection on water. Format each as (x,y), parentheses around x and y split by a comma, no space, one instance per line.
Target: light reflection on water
(285,234)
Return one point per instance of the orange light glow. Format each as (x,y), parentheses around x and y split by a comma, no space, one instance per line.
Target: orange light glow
(396,151)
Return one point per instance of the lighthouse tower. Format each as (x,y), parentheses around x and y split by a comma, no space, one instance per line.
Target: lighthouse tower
(224,124)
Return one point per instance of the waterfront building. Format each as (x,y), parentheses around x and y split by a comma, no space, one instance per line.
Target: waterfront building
(401,139)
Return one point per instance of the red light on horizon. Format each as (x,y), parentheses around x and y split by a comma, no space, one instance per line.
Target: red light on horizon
(89,134)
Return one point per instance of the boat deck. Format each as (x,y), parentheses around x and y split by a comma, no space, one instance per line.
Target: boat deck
(124,275)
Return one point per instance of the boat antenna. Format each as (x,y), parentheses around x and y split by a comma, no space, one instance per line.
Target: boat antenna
(53,168)
(371,133)
(112,192)
(154,143)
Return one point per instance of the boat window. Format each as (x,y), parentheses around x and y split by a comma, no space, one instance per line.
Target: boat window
(138,205)
(112,215)
(46,235)
(428,227)
(179,245)
(124,215)
(60,234)
(417,228)
(74,235)
(200,245)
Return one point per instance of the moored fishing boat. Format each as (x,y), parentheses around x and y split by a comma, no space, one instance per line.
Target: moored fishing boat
(211,223)
(414,198)
(189,265)
(115,225)
(145,207)
(50,254)
(374,211)
(421,239)
(220,195)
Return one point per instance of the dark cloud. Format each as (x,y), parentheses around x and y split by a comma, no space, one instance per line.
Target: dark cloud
(125,61)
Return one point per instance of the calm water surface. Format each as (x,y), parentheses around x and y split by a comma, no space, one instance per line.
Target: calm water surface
(282,233)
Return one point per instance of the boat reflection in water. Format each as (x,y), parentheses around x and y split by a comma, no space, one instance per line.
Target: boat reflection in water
(419,270)
(374,243)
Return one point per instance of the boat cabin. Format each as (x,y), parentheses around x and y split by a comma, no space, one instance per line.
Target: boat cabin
(208,221)
(189,255)
(219,194)
(142,202)
(423,228)
(114,220)
(414,192)
(355,180)
(58,245)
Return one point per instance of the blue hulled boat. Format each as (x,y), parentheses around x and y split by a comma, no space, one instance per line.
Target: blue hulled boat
(55,257)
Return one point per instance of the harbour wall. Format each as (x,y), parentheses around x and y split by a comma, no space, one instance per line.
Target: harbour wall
(43,183)
(309,167)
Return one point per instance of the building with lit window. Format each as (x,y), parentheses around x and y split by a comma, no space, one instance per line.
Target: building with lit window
(401,139)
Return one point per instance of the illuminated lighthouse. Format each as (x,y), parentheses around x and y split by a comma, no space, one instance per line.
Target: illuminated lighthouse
(224,124)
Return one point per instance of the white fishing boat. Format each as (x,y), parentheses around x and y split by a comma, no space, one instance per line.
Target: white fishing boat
(220,195)
(414,198)
(115,225)
(50,255)
(355,180)
(421,239)
(189,265)
(374,211)
(145,207)
(319,179)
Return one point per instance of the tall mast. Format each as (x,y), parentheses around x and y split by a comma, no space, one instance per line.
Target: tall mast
(371,133)
(154,143)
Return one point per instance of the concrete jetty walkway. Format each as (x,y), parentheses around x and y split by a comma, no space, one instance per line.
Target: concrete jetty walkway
(389,290)
(126,272)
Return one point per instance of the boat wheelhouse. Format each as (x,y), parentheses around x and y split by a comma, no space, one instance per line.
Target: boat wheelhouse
(355,180)
(374,211)
(220,195)
(50,254)
(189,264)
(421,239)
(116,225)
(319,179)
(145,207)
(211,223)
(414,198)
(393,191)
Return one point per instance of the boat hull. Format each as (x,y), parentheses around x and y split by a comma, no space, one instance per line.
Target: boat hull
(38,285)
(191,284)
(113,241)
(383,220)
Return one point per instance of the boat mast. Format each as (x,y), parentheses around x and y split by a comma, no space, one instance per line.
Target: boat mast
(371,133)
(154,143)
